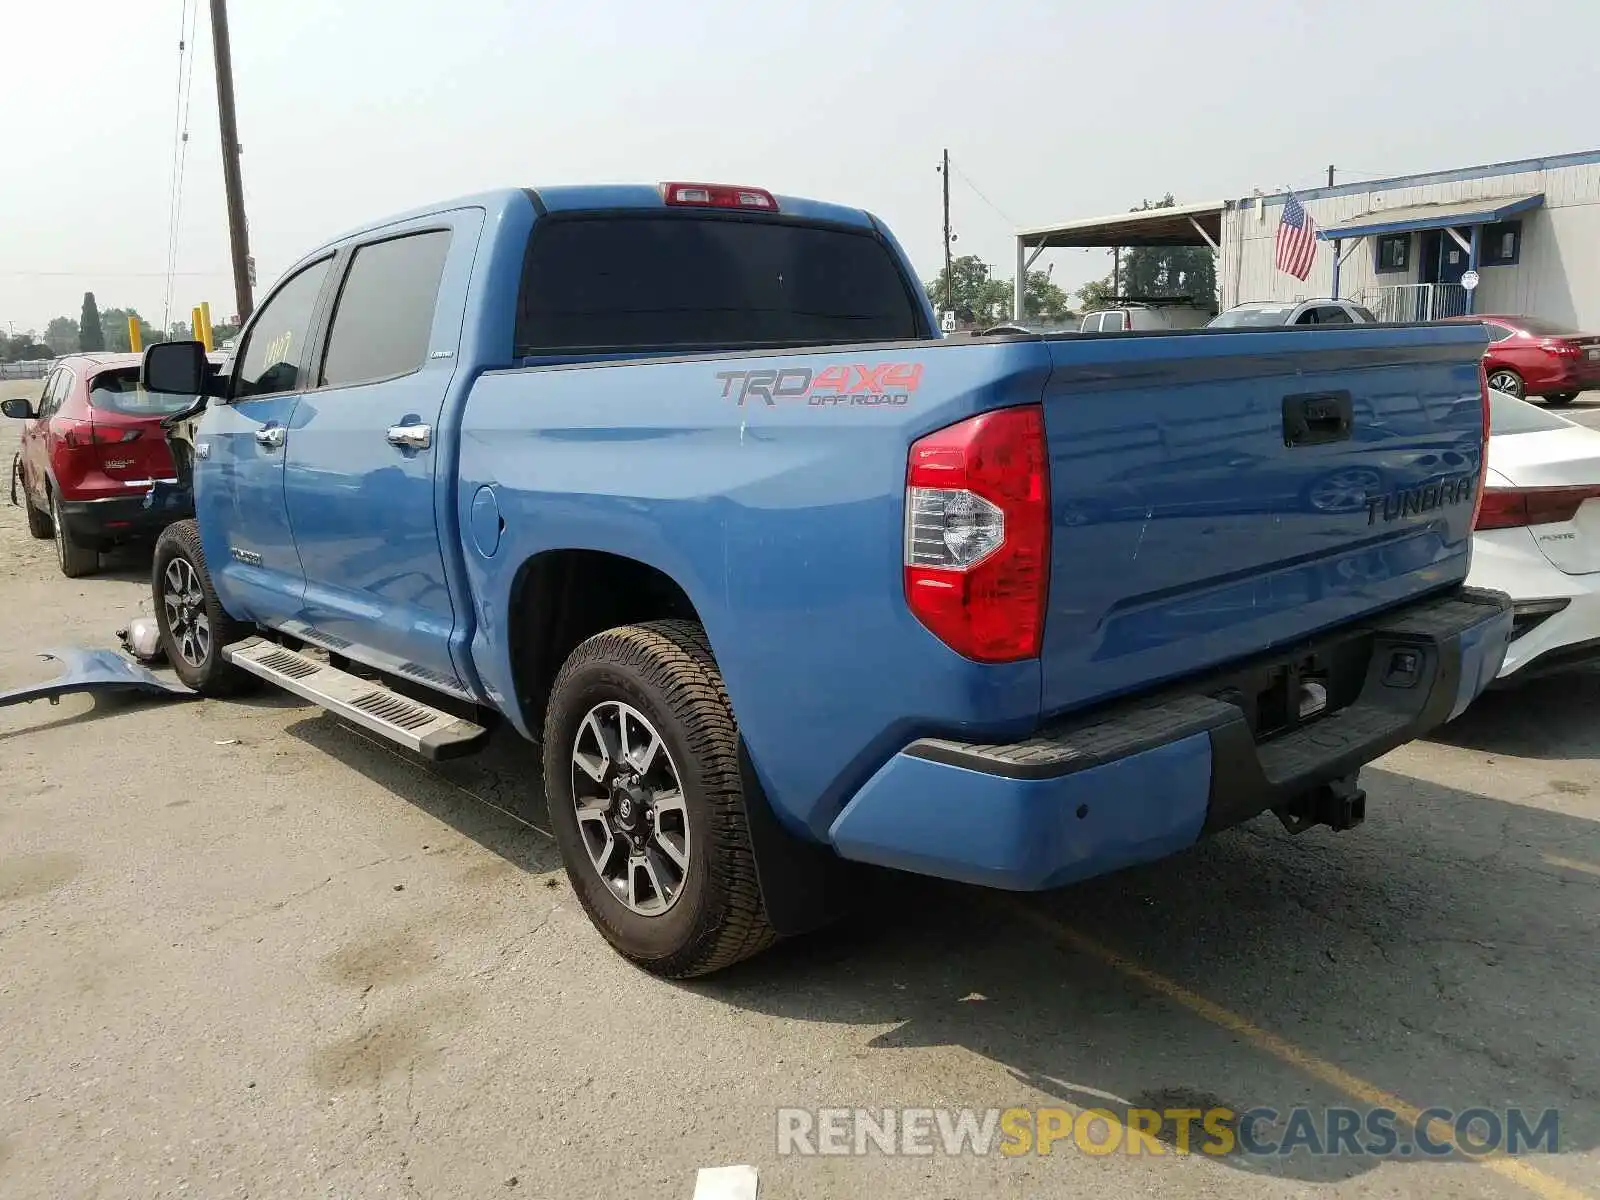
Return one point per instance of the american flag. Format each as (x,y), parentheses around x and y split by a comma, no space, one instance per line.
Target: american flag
(1297,239)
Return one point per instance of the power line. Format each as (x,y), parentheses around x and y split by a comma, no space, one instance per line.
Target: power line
(114,274)
(979,193)
(180,150)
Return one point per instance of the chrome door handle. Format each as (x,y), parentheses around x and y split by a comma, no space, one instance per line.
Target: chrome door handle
(411,437)
(271,437)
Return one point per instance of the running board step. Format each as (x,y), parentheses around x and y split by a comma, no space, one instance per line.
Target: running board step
(407,722)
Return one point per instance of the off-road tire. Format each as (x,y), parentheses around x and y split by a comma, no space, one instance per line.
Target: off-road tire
(666,671)
(75,559)
(215,675)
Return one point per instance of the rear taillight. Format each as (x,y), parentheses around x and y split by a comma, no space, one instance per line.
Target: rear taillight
(80,436)
(718,195)
(1509,508)
(977,540)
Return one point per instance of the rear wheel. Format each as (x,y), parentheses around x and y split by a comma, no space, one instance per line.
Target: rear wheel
(641,774)
(76,560)
(1504,379)
(39,523)
(194,628)
(1560,399)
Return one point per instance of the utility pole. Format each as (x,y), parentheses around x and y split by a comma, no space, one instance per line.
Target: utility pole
(1116,272)
(949,281)
(233,181)
(1330,174)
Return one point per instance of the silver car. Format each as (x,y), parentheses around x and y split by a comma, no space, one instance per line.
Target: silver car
(1262,313)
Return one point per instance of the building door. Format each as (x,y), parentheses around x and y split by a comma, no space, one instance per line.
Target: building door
(1442,265)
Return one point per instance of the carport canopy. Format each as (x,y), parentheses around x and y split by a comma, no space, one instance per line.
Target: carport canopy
(1181,225)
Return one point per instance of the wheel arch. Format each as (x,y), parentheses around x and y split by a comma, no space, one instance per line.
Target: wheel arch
(560,598)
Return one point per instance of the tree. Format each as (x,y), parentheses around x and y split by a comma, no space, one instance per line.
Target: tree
(61,335)
(22,347)
(1097,294)
(114,324)
(976,296)
(1042,299)
(1169,270)
(90,335)
(1172,271)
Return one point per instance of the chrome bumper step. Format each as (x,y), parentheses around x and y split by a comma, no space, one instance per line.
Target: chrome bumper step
(429,731)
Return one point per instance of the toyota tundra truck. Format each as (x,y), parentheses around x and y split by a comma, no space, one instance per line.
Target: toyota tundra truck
(682,485)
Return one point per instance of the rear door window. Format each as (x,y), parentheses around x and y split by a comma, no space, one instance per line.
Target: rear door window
(1333,314)
(660,281)
(56,392)
(384,316)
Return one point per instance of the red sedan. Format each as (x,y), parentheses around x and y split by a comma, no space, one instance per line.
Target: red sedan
(1529,356)
(94,465)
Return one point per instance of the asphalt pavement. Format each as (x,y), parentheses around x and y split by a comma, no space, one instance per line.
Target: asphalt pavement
(245,950)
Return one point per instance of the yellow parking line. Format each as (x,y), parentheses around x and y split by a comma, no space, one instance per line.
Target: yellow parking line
(1516,1170)
(1572,864)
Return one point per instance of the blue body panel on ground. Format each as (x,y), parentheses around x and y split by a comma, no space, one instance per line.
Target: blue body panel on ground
(1185,535)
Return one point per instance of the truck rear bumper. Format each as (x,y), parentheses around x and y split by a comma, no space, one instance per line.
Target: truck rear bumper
(1093,794)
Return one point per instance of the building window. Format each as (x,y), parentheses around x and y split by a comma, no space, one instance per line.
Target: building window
(1501,244)
(1394,252)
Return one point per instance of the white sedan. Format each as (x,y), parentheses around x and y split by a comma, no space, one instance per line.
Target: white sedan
(1538,535)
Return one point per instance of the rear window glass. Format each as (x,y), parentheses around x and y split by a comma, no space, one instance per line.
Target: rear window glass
(1507,414)
(1276,315)
(657,282)
(119,392)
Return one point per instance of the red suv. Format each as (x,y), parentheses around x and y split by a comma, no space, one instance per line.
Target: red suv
(1528,356)
(94,465)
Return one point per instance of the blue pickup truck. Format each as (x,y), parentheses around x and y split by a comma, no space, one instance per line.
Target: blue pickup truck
(682,484)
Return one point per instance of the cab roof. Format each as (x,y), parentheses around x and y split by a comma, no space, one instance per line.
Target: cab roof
(571,198)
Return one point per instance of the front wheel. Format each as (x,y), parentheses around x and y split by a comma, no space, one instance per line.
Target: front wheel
(1504,379)
(194,628)
(641,773)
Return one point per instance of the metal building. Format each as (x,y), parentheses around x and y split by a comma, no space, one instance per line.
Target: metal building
(1529,231)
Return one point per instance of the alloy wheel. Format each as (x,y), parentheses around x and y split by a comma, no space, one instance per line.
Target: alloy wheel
(185,605)
(630,806)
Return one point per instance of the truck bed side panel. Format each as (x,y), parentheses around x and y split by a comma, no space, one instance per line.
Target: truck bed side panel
(782,521)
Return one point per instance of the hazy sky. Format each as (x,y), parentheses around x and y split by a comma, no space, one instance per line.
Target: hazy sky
(352,109)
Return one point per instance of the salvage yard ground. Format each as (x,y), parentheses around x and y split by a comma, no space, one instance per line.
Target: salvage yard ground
(247,951)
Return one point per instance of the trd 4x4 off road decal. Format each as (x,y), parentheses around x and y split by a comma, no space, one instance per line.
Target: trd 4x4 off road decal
(859,384)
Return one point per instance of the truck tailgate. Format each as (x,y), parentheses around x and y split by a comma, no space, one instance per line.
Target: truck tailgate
(1219,494)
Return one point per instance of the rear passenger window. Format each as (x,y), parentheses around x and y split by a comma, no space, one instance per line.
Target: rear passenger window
(383,320)
(1332,314)
(275,348)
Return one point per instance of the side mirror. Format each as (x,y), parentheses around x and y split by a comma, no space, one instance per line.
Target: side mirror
(18,409)
(178,368)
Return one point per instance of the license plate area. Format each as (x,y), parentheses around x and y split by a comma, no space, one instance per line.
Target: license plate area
(1278,697)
